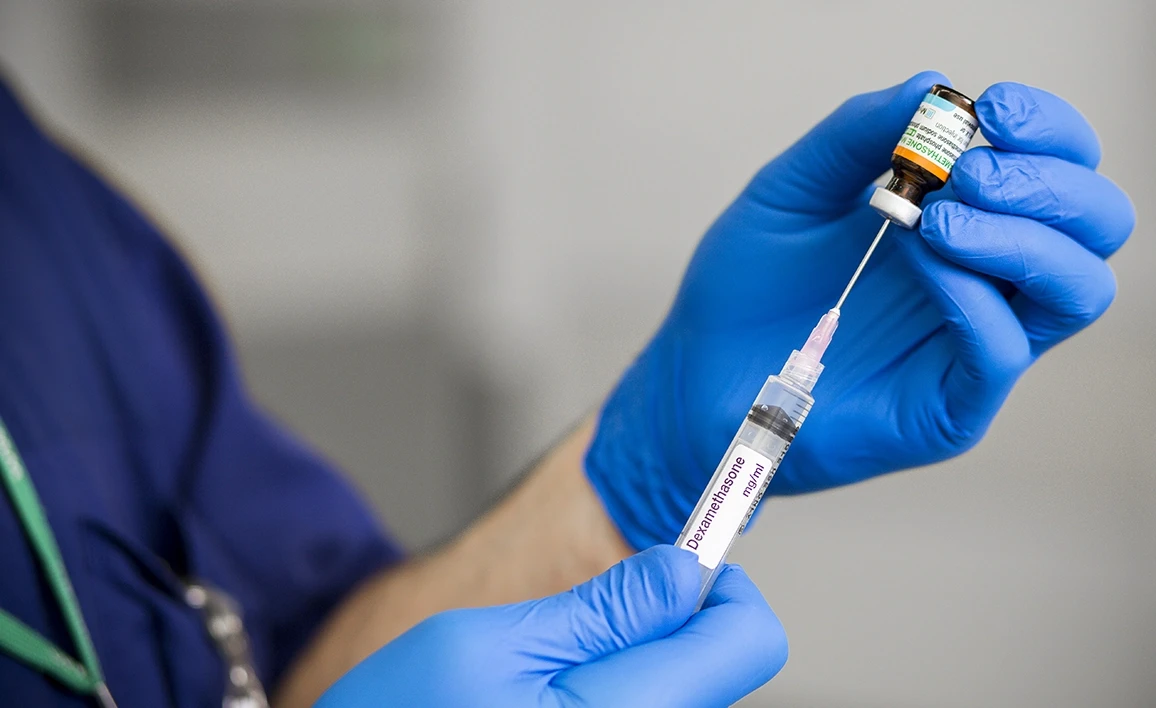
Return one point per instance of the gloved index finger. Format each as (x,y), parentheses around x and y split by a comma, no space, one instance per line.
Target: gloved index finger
(828,170)
(1024,119)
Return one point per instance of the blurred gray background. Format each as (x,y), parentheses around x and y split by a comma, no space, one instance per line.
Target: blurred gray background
(403,207)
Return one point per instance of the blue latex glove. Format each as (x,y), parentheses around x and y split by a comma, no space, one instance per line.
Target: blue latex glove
(943,322)
(625,638)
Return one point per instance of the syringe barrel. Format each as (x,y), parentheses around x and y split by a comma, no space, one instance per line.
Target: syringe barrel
(741,478)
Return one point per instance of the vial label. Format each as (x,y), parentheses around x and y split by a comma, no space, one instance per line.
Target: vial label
(938,134)
(723,514)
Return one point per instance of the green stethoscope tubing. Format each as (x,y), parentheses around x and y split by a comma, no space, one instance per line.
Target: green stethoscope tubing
(18,639)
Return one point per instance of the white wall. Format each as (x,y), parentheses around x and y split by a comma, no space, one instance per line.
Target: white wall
(536,201)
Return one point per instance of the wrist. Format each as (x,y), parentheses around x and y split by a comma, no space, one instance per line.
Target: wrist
(552,528)
(586,530)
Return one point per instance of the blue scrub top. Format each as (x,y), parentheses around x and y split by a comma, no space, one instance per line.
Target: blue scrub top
(121,393)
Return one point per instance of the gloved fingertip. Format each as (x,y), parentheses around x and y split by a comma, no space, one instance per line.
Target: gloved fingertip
(949,222)
(902,99)
(1004,109)
(1023,118)
(678,575)
(952,228)
(938,221)
(680,561)
(829,169)
(973,170)
(923,81)
(734,586)
(1127,221)
(762,631)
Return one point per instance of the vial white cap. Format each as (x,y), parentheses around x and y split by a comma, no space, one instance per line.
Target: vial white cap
(892,206)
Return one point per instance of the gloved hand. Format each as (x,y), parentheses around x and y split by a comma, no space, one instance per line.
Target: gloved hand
(625,638)
(943,322)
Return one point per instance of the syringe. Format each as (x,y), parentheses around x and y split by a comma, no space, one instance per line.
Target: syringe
(757,449)
(937,135)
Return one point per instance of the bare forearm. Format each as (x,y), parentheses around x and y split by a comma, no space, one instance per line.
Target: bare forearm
(549,534)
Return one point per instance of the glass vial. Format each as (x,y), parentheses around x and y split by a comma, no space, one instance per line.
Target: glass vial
(938,134)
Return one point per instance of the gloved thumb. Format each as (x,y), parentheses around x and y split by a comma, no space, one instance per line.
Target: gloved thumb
(827,171)
(643,598)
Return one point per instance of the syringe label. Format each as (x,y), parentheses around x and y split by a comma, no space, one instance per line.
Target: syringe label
(725,508)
